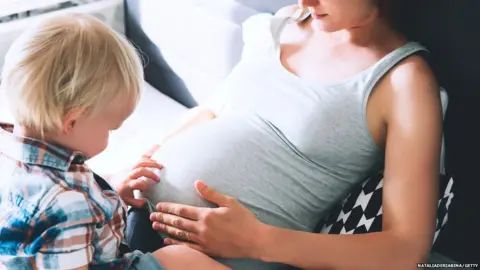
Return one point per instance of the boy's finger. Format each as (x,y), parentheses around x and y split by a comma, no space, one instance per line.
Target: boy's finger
(136,203)
(139,172)
(139,184)
(148,163)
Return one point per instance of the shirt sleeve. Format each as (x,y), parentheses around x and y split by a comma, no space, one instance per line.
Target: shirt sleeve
(69,228)
(257,41)
(257,36)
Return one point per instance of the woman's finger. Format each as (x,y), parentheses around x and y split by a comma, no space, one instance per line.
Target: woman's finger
(181,210)
(174,232)
(175,221)
(148,163)
(143,172)
(212,195)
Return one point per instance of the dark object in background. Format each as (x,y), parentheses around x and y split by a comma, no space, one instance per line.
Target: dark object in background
(157,71)
(139,234)
(449,29)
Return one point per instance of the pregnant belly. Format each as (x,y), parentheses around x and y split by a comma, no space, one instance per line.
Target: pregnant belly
(208,152)
(224,152)
(242,159)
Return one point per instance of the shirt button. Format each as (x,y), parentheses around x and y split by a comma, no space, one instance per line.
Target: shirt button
(79,160)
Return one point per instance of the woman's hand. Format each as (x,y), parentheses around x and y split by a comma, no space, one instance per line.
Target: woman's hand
(136,179)
(229,231)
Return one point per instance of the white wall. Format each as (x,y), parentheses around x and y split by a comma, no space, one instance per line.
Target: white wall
(109,11)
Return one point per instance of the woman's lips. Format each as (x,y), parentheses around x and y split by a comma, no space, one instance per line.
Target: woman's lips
(319,16)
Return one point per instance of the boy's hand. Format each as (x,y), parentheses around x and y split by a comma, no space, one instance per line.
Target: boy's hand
(138,179)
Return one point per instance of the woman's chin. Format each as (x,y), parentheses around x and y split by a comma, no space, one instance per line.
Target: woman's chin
(322,24)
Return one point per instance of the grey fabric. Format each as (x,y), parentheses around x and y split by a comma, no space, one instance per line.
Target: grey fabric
(286,147)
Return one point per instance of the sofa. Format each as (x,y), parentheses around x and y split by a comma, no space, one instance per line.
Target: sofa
(189,46)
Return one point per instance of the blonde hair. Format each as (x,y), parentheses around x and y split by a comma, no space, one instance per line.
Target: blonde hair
(67,62)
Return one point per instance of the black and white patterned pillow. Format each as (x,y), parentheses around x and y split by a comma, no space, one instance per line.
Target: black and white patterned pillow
(361,211)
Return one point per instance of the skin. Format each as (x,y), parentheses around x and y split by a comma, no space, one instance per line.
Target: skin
(405,119)
(89,134)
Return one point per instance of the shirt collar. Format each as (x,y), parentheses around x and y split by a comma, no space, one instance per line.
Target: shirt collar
(36,152)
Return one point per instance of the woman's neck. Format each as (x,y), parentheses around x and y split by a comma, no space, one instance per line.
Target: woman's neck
(370,31)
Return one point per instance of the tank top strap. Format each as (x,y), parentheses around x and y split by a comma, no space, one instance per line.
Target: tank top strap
(383,66)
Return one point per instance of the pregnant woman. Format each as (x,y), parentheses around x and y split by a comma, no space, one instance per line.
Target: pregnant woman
(320,100)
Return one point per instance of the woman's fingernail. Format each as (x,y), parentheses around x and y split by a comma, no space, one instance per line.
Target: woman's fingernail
(201,184)
(152,217)
(167,241)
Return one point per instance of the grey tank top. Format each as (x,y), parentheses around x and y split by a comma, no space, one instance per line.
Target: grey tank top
(286,148)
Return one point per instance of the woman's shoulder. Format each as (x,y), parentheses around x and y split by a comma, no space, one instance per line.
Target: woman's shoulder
(419,73)
(287,11)
(266,18)
(256,29)
(408,67)
(411,86)
(413,71)
(258,33)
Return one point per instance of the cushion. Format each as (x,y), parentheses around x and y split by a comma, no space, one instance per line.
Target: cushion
(361,211)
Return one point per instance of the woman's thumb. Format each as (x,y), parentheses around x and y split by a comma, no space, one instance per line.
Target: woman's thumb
(149,153)
(210,194)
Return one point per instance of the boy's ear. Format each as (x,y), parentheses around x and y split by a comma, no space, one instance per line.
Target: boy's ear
(71,118)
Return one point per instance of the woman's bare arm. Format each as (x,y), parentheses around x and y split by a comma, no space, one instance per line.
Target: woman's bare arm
(181,257)
(207,111)
(193,117)
(82,268)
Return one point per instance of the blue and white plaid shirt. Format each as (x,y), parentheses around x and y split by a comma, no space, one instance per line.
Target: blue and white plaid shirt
(54,214)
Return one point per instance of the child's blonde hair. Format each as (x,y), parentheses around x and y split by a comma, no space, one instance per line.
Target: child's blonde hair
(66,62)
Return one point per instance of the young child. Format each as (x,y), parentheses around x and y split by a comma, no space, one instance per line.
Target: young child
(70,81)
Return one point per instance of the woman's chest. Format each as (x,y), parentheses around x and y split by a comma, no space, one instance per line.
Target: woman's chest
(326,64)
(315,119)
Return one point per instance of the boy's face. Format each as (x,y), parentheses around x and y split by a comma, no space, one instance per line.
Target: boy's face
(89,134)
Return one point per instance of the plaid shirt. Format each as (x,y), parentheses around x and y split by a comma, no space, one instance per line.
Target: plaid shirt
(54,214)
